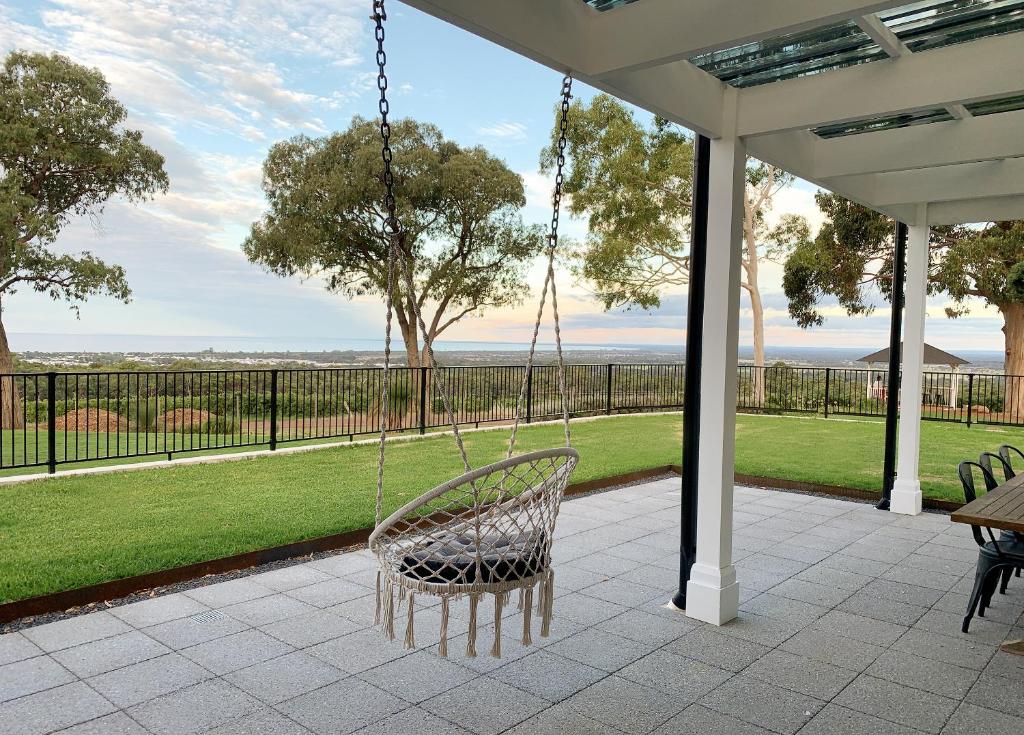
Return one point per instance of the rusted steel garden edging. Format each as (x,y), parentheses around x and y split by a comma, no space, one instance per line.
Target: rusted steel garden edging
(97,593)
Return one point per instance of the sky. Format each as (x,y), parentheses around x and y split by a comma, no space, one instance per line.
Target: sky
(214,83)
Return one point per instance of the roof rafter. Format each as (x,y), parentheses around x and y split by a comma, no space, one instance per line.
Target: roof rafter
(654,32)
(925,80)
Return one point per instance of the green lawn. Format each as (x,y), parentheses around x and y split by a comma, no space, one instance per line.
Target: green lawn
(68,532)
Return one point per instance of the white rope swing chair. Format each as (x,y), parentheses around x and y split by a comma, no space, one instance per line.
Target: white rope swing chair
(490,530)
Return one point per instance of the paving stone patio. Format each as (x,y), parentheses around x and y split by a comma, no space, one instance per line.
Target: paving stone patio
(850,624)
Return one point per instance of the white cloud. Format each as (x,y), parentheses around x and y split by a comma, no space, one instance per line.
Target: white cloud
(504,131)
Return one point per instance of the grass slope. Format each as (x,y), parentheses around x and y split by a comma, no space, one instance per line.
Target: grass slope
(69,532)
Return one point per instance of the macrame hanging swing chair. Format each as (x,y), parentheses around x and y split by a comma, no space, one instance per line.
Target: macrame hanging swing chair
(489,531)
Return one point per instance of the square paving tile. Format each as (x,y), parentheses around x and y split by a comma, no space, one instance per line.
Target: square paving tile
(712,647)
(599,649)
(31,675)
(418,677)
(999,693)
(261,722)
(53,709)
(299,575)
(832,647)
(837,720)
(311,628)
(359,651)
(158,610)
(195,709)
(16,647)
(117,723)
(236,651)
(969,719)
(195,629)
(75,631)
(108,654)
(626,705)
(149,679)
(699,720)
(228,593)
(548,676)
(897,703)
(923,673)
(485,706)
(761,704)
(945,649)
(328,593)
(342,707)
(413,720)
(285,677)
(562,719)
(682,677)
(645,627)
(265,610)
(800,674)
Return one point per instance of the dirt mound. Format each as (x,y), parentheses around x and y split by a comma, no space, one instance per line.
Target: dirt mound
(93,419)
(181,419)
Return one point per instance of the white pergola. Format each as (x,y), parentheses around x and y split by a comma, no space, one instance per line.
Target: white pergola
(960,169)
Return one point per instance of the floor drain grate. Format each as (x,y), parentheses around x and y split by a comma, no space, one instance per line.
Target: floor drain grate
(210,616)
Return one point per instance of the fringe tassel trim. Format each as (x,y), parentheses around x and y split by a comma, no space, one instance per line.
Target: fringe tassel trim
(499,602)
(527,608)
(442,649)
(410,634)
(547,602)
(474,600)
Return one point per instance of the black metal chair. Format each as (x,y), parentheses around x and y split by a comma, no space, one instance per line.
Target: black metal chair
(994,556)
(1006,460)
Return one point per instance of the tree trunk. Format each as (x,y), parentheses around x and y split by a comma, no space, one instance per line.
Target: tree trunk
(1013,332)
(750,265)
(12,415)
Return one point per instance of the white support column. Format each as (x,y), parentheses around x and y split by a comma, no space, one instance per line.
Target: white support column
(712,594)
(906,492)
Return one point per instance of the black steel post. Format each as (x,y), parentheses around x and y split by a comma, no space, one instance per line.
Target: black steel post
(892,399)
(51,422)
(970,398)
(529,394)
(423,400)
(828,384)
(608,392)
(694,351)
(273,410)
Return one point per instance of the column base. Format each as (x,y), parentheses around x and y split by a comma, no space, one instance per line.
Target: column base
(712,594)
(906,497)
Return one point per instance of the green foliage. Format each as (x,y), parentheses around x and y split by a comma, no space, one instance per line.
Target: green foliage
(464,239)
(634,185)
(63,153)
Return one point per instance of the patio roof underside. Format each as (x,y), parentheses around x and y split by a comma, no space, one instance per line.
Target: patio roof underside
(890,104)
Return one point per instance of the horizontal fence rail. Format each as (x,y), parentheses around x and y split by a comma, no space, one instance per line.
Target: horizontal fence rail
(53,419)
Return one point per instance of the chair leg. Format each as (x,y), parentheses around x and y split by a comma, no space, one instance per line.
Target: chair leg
(1007,573)
(988,588)
(972,604)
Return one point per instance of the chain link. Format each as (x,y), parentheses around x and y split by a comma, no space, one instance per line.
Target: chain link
(391,224)
(563,127)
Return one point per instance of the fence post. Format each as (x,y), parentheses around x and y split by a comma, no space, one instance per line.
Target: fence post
(273,409)
(828,384)
(51,422)
(608,391)
(970,397)
(423,399)
(529,394)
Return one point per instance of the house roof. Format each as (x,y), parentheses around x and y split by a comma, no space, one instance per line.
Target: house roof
(932,356)
(889,103)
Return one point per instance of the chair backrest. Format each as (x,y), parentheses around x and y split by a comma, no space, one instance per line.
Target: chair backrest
(1005,451)
(985,460)
(966,472)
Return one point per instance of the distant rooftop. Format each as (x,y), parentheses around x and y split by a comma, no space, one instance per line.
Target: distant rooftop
(932,356)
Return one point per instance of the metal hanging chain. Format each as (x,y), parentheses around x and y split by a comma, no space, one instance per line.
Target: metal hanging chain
(549,281)
(392,230)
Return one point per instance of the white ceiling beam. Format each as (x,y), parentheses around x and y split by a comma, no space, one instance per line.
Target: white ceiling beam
(935,78)
(551,32)
(654,32)
(679,92)
(939,184)
(986,138)
(879,33)
(976,210)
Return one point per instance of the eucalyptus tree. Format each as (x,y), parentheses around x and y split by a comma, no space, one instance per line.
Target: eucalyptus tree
(464,239)
(64,153)
(852,258)
(634,183)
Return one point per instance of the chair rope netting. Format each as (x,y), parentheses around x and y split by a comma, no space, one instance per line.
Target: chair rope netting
(490,530)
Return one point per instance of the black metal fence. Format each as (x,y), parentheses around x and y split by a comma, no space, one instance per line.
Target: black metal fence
(51,419)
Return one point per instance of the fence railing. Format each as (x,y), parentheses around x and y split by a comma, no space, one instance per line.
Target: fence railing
(52,419)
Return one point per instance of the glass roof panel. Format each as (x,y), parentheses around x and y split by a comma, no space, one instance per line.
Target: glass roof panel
(607,4)
(937,23)
(990,107)
(905,120)
(792,55)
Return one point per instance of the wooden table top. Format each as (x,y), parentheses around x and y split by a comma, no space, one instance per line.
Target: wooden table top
(1001,508)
